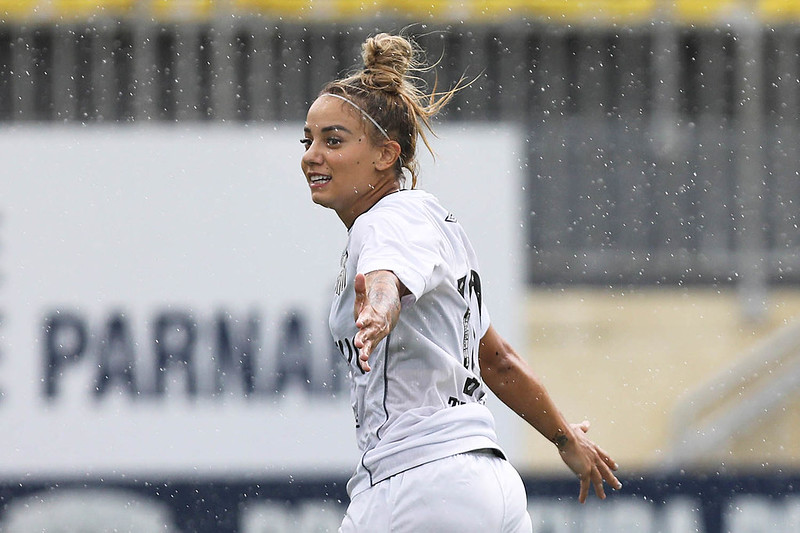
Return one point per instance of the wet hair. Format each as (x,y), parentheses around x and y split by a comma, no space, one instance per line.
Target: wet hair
(386,90)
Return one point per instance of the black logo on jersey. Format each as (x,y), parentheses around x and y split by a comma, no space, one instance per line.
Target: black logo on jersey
(450,218)
(471,385)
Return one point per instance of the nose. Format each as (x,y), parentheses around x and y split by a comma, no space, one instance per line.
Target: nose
(313,155)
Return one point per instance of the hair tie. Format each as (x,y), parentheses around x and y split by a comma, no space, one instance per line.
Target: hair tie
(340,97)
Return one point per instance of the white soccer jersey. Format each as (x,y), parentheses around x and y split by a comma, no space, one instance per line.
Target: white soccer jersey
(423,399)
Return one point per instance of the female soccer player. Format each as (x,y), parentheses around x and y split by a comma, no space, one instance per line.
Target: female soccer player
(408,315)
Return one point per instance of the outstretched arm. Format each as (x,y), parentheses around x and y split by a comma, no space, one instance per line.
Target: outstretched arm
(376,310)
(514,382)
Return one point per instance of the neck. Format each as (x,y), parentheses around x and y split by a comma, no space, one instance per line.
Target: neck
(367,199)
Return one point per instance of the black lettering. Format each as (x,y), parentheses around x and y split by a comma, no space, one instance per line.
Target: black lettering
(465,348)
(116,358)
(453,401)
(471,292)
(235,352)
(230,361)
(65,339)
(350,351)
(475,288)
(349,354)
(174,342)
(294,359)
(336,371)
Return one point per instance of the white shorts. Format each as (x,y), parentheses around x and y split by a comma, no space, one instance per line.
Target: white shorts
(475,491)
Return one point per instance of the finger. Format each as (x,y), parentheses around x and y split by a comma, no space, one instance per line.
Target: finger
(606,458)
(597,481)
(362,320)
(612,481)
(584,493)
(608,475)
(583,426)
(362,342)
(364,347)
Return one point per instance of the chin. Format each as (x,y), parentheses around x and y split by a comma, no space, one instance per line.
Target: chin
(319,200)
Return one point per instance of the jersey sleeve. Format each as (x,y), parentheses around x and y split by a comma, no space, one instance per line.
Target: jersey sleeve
(411,249)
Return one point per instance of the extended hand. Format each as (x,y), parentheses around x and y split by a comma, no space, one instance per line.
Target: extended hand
(376,310)
(589,462)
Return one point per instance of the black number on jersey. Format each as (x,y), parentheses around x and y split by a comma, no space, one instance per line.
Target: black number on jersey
(470,290)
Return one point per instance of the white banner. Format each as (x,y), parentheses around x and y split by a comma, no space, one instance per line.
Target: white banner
(165,294)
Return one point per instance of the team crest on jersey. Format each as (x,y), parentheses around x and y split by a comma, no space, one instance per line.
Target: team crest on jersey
(450,218)
(341,279)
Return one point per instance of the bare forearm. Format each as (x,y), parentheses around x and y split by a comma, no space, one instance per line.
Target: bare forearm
(383,294)
(376,310)
(515,383)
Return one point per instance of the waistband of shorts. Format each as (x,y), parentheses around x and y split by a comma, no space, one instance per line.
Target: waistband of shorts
(494,452)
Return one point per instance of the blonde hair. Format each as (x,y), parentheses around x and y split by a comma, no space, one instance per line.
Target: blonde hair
(385,89)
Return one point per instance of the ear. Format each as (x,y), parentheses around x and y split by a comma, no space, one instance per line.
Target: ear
(389,153)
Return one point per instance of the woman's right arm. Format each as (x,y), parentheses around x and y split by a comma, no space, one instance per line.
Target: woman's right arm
(376,311)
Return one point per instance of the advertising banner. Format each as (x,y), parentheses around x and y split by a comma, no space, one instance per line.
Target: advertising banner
(165,295)
(165,363)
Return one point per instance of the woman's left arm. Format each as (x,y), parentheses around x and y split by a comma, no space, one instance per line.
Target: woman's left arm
(514,382)
(376,311)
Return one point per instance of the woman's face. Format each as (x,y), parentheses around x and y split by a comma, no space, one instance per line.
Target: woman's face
(343,167)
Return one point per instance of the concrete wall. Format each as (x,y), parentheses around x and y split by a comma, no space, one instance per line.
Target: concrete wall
(623,359)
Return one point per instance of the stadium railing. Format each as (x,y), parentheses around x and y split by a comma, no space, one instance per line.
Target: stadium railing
(553,11)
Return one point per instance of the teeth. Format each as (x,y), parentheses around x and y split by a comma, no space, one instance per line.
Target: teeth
(319,179)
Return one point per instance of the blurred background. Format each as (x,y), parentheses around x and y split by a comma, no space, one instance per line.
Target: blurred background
(655,193)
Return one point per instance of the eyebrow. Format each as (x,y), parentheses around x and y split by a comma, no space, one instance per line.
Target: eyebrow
(326,129)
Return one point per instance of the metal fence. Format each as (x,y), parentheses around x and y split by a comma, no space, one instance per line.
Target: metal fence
(656,153)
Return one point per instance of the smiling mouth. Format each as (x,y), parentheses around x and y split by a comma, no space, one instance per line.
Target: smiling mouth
(318,180)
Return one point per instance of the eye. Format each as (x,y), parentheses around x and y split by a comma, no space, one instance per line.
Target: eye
(306,143)
(333,141)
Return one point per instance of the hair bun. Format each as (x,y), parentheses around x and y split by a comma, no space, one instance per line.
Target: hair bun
(387,59)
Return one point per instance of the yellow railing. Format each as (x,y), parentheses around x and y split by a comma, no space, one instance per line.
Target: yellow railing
(778,10)
(567,11)
(179,9)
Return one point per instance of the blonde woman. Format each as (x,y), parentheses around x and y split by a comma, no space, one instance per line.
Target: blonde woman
(409,317)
